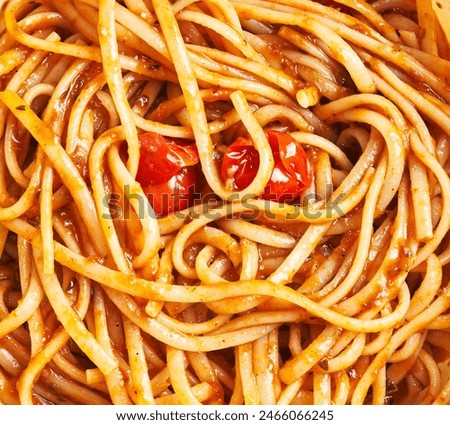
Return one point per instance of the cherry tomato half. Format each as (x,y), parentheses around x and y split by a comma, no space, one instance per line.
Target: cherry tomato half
(167,172)
(291,174)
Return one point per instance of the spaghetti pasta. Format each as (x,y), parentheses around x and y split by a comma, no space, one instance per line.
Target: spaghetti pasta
(224,202)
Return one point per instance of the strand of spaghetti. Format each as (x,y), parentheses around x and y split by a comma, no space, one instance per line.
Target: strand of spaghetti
(179,5)
(61,163)
(204,267)
(424,15)
(321,282)
(113,73)
(249,252)
(138,366)
(434,376)
(27,199)
(139,8)
(11,59)
(348,356)
(149,225)
(114,379)
(436,64)
(342,388)
(264,370)
(237,395)
(290,391)
(328,111)
(244,361)
(444,181)
(251,231)
(9,392)
(272,113)
(380,24)
(228,12)
(441,322)
(46,209)
(321,388)
(398,371)
(202,392)
(3,237)
(297,366)
(224,30)
(348,338)
(325,145)
(444,396)
(176,364)
(307,243)
(412,345)
(249,270)
(379,387)
(71,321)
(206,372)
(12,160)
(102,199)
(439,305)
(76,114)
(428,289)
(205,327)
(323,176)
(275,76)
(54,114)
(264,316)
(375,345)
(407,108)
(421,200)
(340,50)
(312,237)
(28,305)
(221,240)
(346,196)
(274,347)
(170,106)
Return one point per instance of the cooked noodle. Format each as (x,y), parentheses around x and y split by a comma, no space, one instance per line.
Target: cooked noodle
(340,297)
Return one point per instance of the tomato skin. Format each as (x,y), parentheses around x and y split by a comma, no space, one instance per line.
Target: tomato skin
(291,174)
(241,163)
(162,158)
(173,195)
(167,172)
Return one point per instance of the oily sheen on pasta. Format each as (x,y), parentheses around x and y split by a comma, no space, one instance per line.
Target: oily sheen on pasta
(224,202)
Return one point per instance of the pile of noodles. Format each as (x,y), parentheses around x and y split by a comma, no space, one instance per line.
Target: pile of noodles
(342,297)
